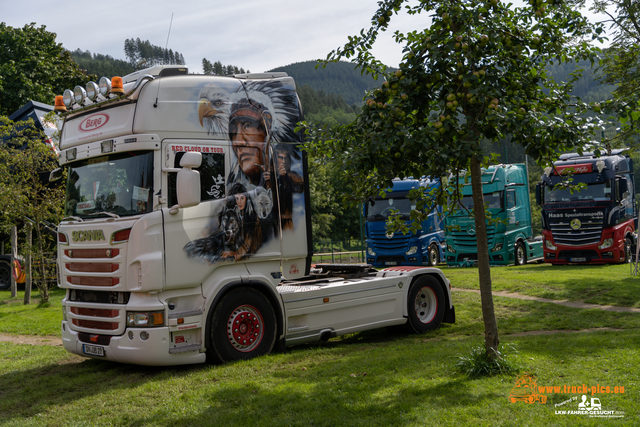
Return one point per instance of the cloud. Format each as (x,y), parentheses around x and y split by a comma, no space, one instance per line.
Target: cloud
(254,35)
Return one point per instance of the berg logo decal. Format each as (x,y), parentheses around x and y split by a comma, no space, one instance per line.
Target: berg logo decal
(93,122)
(82,236)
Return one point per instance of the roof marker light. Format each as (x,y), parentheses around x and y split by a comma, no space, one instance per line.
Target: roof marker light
(59,104)
(105,86)
(116,86)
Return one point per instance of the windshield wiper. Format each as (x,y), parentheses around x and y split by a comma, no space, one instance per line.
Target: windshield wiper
(111,214)
(75,218)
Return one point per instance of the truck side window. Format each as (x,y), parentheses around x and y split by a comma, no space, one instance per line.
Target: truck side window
(212,177)
(511,199)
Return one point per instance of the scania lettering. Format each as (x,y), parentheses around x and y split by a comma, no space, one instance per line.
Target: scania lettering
(510,238)
(187,234)
(424,247)
(593,225)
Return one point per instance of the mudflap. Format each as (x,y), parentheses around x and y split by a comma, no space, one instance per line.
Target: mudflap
(450,315)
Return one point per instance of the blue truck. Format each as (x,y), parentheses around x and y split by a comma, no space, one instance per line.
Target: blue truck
(424,247)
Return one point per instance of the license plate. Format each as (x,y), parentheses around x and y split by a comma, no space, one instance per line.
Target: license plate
(93,350)
(578,259)
(390,263)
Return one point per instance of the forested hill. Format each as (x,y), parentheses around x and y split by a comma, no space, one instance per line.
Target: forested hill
(340,78)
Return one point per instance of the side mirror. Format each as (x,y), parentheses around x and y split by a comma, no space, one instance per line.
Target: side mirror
(188,182)
(55,175)
(538,194)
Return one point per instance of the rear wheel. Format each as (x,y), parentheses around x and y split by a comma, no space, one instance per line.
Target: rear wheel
(425,304)
(434,255)
(243,326)
(520,254)
(5,275)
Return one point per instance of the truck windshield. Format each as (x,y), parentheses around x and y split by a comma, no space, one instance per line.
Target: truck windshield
(382,208)
(492,200)
(597,191)
(120,184)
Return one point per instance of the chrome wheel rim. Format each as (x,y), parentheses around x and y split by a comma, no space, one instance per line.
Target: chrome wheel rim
(426,305)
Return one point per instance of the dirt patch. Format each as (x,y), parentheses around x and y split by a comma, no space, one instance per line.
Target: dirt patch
(32,340)
(566,303)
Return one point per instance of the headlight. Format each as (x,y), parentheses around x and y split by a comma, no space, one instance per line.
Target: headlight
(145,318)
(497,247)
(606,244)
(412,250)
(450,248)
(549,245)
(370,251)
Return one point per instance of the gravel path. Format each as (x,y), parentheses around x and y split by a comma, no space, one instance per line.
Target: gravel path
(566,303)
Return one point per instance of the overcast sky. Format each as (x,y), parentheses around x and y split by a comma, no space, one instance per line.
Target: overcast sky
(257,35)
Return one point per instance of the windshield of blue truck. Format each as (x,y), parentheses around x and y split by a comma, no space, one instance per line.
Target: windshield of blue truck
(382,208)
(118,184)
(493,200)
(598,191)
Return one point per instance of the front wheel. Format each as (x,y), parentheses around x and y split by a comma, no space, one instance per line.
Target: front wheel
(425,304)
(520,254)
(243,326)
(434,255)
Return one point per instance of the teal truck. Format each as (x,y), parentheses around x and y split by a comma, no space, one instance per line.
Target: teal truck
(510,236)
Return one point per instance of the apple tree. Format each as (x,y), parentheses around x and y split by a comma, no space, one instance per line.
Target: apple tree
(475,75)
(620,64)
(25,191)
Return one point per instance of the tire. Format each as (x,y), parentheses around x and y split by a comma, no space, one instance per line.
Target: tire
(5,275)
(254,333)
(520,254)
(434,256)
(425,305)
(627,250)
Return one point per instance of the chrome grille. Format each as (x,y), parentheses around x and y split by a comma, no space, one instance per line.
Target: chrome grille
(463,241)
(589,233)
(398,243)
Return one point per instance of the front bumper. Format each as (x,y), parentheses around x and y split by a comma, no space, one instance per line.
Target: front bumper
(154,351)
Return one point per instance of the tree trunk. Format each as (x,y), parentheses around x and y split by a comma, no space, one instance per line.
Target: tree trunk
(484,271)
(14,257)
(43,285)
(27,283)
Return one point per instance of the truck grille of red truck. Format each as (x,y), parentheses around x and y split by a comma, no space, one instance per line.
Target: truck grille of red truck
(589,233)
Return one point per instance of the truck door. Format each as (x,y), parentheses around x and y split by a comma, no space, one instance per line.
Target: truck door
(195,223)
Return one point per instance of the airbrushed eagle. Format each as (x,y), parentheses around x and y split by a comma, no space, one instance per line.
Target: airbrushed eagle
(216,107)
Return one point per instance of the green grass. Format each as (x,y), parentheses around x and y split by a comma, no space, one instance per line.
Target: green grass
(34,319)
(377,378)
(594,284)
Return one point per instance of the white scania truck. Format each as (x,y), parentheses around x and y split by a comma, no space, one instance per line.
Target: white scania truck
(187,233)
